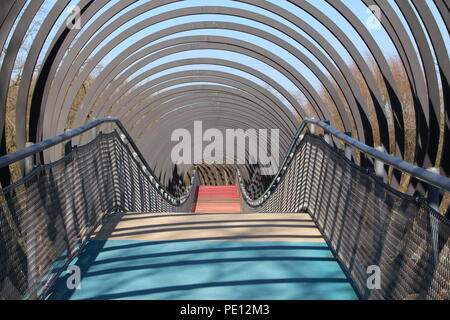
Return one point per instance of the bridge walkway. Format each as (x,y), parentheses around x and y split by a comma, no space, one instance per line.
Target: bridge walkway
(220,255)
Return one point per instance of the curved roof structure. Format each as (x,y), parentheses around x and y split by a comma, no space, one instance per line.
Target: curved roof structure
(378,69)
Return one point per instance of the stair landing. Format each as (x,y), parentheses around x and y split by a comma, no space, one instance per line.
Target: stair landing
(217,199)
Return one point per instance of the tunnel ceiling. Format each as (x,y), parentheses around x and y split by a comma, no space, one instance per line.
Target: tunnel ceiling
(160,65)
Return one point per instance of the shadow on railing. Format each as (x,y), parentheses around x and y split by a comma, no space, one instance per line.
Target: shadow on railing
(436,182)
(368,224)
(29,152)
(47,216)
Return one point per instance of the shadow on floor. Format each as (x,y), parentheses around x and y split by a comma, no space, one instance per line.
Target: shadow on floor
(215,266)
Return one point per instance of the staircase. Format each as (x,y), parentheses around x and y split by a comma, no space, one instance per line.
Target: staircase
(217,199)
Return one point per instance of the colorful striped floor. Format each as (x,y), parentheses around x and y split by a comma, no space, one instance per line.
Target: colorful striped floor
(217,199)
(224,256)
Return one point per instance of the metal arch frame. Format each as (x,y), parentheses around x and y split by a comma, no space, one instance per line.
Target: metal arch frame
(88,69)
(391,32)
(164,166)
(11,55)
(199,98)
(263,121)
(111,95)
(53,58)
(212,88)
(49,67)
(243,96)
(113,86)
(159,153)
(430,75)
(128,103)
(5,8)
(406,51)
(444,10)
(129,98)
(344,77)
(380,60)
(143,127)
(203,173)
(199,37)
(427,117)
(260,123)
(253,95)
(211,39)
(444,70)
(359,62)
(262,95)
(29,68)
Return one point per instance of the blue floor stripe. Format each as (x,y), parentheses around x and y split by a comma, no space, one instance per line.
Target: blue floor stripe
(118,269)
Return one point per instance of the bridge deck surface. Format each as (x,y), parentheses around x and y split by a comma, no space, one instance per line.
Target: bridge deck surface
(207,256)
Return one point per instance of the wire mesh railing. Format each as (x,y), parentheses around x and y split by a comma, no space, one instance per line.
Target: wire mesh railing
(47,216)
(366,222)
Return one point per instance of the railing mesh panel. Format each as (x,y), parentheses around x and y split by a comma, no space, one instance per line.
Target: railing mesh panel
(367,223)
(46,216)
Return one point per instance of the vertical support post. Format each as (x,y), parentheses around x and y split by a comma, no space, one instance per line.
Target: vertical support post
(379,165)
(109,127)
(348,148)
(327,136)
(29,162)
(67,146)
(94,133)
(123,138)
(433,201)
(433,192)
(31,241)
(312,128)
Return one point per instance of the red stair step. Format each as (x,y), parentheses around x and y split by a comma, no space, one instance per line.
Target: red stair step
(217,199)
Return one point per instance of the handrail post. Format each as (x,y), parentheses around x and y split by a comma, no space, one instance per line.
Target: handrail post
(379,165)
(94,131)
(433,192)
(312,128)
(433,202)
(67,145)
(29,161)
(348,148)
(123,138)
(30,233)
(327,136)
(109,127)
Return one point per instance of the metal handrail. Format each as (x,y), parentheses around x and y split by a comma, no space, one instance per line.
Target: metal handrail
(46,144)
(424,175)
